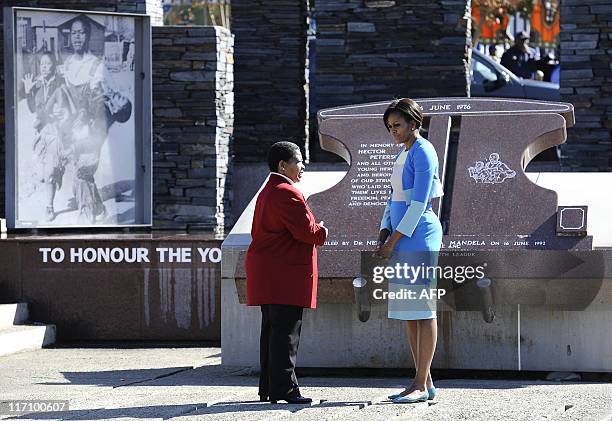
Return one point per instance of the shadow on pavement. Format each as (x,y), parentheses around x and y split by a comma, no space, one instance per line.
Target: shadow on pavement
(217,375)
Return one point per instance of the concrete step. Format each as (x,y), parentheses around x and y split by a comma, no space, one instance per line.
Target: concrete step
(13,314)
(25,338)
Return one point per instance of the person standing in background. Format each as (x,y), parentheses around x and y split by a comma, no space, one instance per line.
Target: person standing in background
(281,270)
(521,59)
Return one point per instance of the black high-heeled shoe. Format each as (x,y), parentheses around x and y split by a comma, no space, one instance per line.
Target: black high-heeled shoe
(263,398)
(297,399)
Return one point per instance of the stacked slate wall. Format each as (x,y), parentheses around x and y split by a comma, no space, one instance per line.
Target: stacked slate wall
(586,82)
(376,50)
(192,126)
(270,75)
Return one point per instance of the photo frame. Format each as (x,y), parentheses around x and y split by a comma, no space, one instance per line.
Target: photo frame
(78,119)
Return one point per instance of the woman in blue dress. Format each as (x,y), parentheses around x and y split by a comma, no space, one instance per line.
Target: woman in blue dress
(410,233)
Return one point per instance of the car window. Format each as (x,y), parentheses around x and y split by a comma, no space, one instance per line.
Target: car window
(482,73)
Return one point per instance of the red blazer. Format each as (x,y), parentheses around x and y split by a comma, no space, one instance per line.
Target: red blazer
(281,262)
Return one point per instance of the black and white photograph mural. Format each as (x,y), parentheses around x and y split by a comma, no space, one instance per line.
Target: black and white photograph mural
(75,126)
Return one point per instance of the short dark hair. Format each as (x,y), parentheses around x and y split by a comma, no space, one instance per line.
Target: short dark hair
(281,151)
(406,107)
(84,23)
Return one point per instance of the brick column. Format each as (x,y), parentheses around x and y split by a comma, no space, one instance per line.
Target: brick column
(192,125)
(270,78)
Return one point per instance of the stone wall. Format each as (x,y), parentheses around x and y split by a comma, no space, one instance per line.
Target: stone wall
(192,126)
(101,301)
(121,6)
(586,82)
(372,50)
(270,74)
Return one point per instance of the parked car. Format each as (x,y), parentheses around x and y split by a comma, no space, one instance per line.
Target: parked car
(489,78)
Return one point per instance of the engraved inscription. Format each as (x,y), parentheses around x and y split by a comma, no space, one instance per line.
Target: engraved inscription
(371,185)
(449,107)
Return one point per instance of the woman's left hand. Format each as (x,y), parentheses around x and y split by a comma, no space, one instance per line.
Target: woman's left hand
(385,251)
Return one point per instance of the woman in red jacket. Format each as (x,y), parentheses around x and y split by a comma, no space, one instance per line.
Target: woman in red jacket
(281,268)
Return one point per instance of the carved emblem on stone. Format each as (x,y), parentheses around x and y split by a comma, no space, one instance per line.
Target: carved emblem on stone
(492,172)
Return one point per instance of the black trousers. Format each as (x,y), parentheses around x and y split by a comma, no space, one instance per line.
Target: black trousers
(278,346)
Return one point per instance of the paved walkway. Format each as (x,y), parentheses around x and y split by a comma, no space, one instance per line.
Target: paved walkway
(190,384)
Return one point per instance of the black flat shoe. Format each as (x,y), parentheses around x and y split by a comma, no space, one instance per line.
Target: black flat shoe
(263,398)
(299,400)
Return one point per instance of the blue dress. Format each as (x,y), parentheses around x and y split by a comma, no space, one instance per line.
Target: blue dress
(414,183)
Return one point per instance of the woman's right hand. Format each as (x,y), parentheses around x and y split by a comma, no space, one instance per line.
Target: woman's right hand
(382,239)
(325,228)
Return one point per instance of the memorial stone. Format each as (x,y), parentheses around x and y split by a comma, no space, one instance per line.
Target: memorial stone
(539,252)
(489,203)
